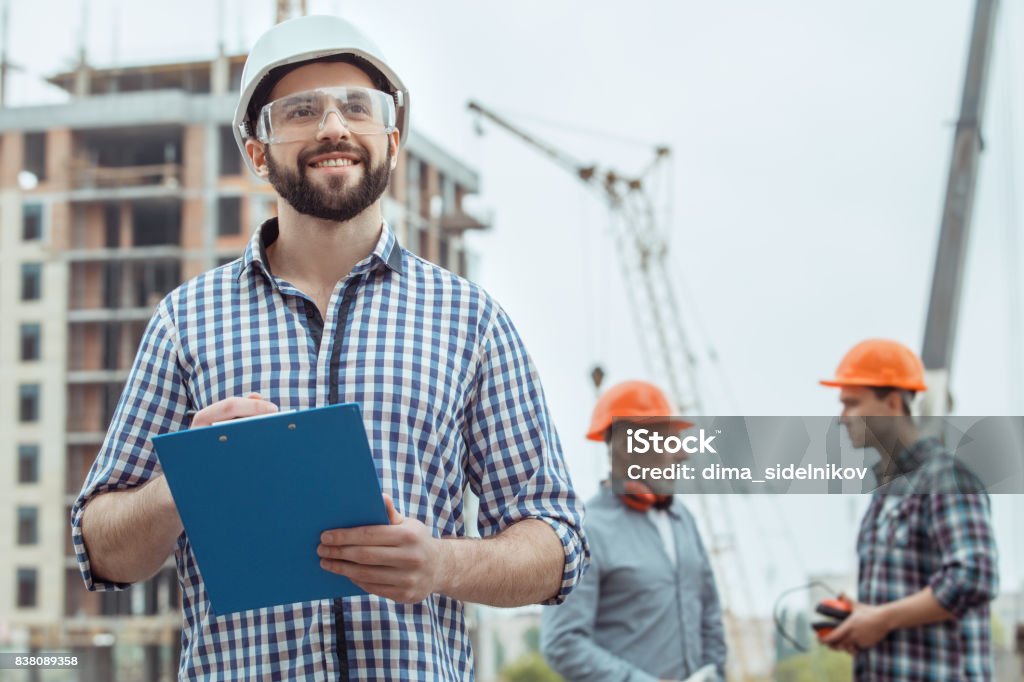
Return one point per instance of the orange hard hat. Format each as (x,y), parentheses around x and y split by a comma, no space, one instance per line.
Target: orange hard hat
(880,362)
(631,399)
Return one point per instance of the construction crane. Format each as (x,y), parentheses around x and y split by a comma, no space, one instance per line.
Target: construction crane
(642,247)
(951,257)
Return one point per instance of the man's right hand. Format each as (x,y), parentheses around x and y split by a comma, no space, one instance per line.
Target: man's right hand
(251,405)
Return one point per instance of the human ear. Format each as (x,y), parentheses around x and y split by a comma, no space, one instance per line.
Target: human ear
(393,144)
(257,152)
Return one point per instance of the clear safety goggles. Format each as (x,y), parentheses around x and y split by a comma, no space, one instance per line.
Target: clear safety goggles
(301,116)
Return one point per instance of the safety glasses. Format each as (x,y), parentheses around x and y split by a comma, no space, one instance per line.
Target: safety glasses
(302,115)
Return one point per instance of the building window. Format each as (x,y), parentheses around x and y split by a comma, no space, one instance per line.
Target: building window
(444,253)
(112,225)
(111,345)
(412,185)
(112,284)
(230,158)
(35,155)
(26,588)
(156,223)
(229,216)
(28,526)
(30,341)
(111,396)
(152,280)
(31,281)
(28,464)
(31,222)
(424,206)
(28,402)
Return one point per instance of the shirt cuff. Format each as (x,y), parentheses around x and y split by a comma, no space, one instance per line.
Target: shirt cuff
(950,595)
(577,557)
(82,556)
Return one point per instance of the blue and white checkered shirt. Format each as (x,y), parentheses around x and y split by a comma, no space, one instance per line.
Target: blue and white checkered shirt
(449,396)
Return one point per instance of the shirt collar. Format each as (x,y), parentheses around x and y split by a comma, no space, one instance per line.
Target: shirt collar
(909,460)
(606,491)
(386,253)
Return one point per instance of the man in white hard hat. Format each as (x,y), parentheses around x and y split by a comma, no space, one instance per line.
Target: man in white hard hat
(326,307)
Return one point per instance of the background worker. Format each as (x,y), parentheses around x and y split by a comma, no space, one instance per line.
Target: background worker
(326,307)
(927,554)
(647,608)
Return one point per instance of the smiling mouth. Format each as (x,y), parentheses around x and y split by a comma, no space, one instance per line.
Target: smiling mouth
(334,163)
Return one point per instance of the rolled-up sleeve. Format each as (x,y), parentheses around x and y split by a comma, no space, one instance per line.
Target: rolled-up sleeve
(154,401)
(515,464)
(961,528)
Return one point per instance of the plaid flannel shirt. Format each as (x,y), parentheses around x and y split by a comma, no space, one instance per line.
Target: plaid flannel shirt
(927,528)
(449,396)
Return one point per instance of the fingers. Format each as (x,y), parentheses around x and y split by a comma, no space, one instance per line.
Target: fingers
(390,583)
(371,556)
(384,575)
(836,637)
(843,639)
(394,518)
(388,536)
(234,408)
(397,593)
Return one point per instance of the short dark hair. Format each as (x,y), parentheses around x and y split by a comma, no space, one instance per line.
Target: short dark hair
(262,92)
(882,392)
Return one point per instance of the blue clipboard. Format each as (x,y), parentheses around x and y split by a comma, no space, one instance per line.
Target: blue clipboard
(255,495)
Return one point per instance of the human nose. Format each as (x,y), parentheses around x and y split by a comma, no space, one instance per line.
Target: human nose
(333,127)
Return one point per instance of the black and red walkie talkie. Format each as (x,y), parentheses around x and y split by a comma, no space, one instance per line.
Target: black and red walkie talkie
(836,609)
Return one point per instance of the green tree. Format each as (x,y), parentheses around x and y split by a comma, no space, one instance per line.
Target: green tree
(532,638)
(821,663)
(998,632)
(529,668)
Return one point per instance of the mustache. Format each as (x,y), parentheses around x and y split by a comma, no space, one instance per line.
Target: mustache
(332,148)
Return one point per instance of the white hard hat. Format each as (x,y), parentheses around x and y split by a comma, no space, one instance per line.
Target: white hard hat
(303,39)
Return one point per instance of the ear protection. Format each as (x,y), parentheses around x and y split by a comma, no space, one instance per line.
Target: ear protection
(837,610)
(638,497)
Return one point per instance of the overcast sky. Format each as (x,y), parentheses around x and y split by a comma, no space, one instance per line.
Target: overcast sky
(811,144)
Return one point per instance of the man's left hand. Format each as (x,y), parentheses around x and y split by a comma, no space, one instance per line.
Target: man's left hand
(401,561)
(863,628)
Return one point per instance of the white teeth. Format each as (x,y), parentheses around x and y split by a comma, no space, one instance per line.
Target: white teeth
(331,163)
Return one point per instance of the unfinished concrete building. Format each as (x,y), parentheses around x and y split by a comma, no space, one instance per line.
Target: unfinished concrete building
(107,202)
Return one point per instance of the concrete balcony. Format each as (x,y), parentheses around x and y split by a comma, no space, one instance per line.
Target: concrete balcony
(97,376)
(88,176)
(110,314)
(135,253)
(461,221)
(85,438)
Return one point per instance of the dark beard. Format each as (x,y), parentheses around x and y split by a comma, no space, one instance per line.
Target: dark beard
(335,203)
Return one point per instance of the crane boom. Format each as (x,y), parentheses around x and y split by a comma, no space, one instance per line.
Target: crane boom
(951,256)
(643,251)
(583,172)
